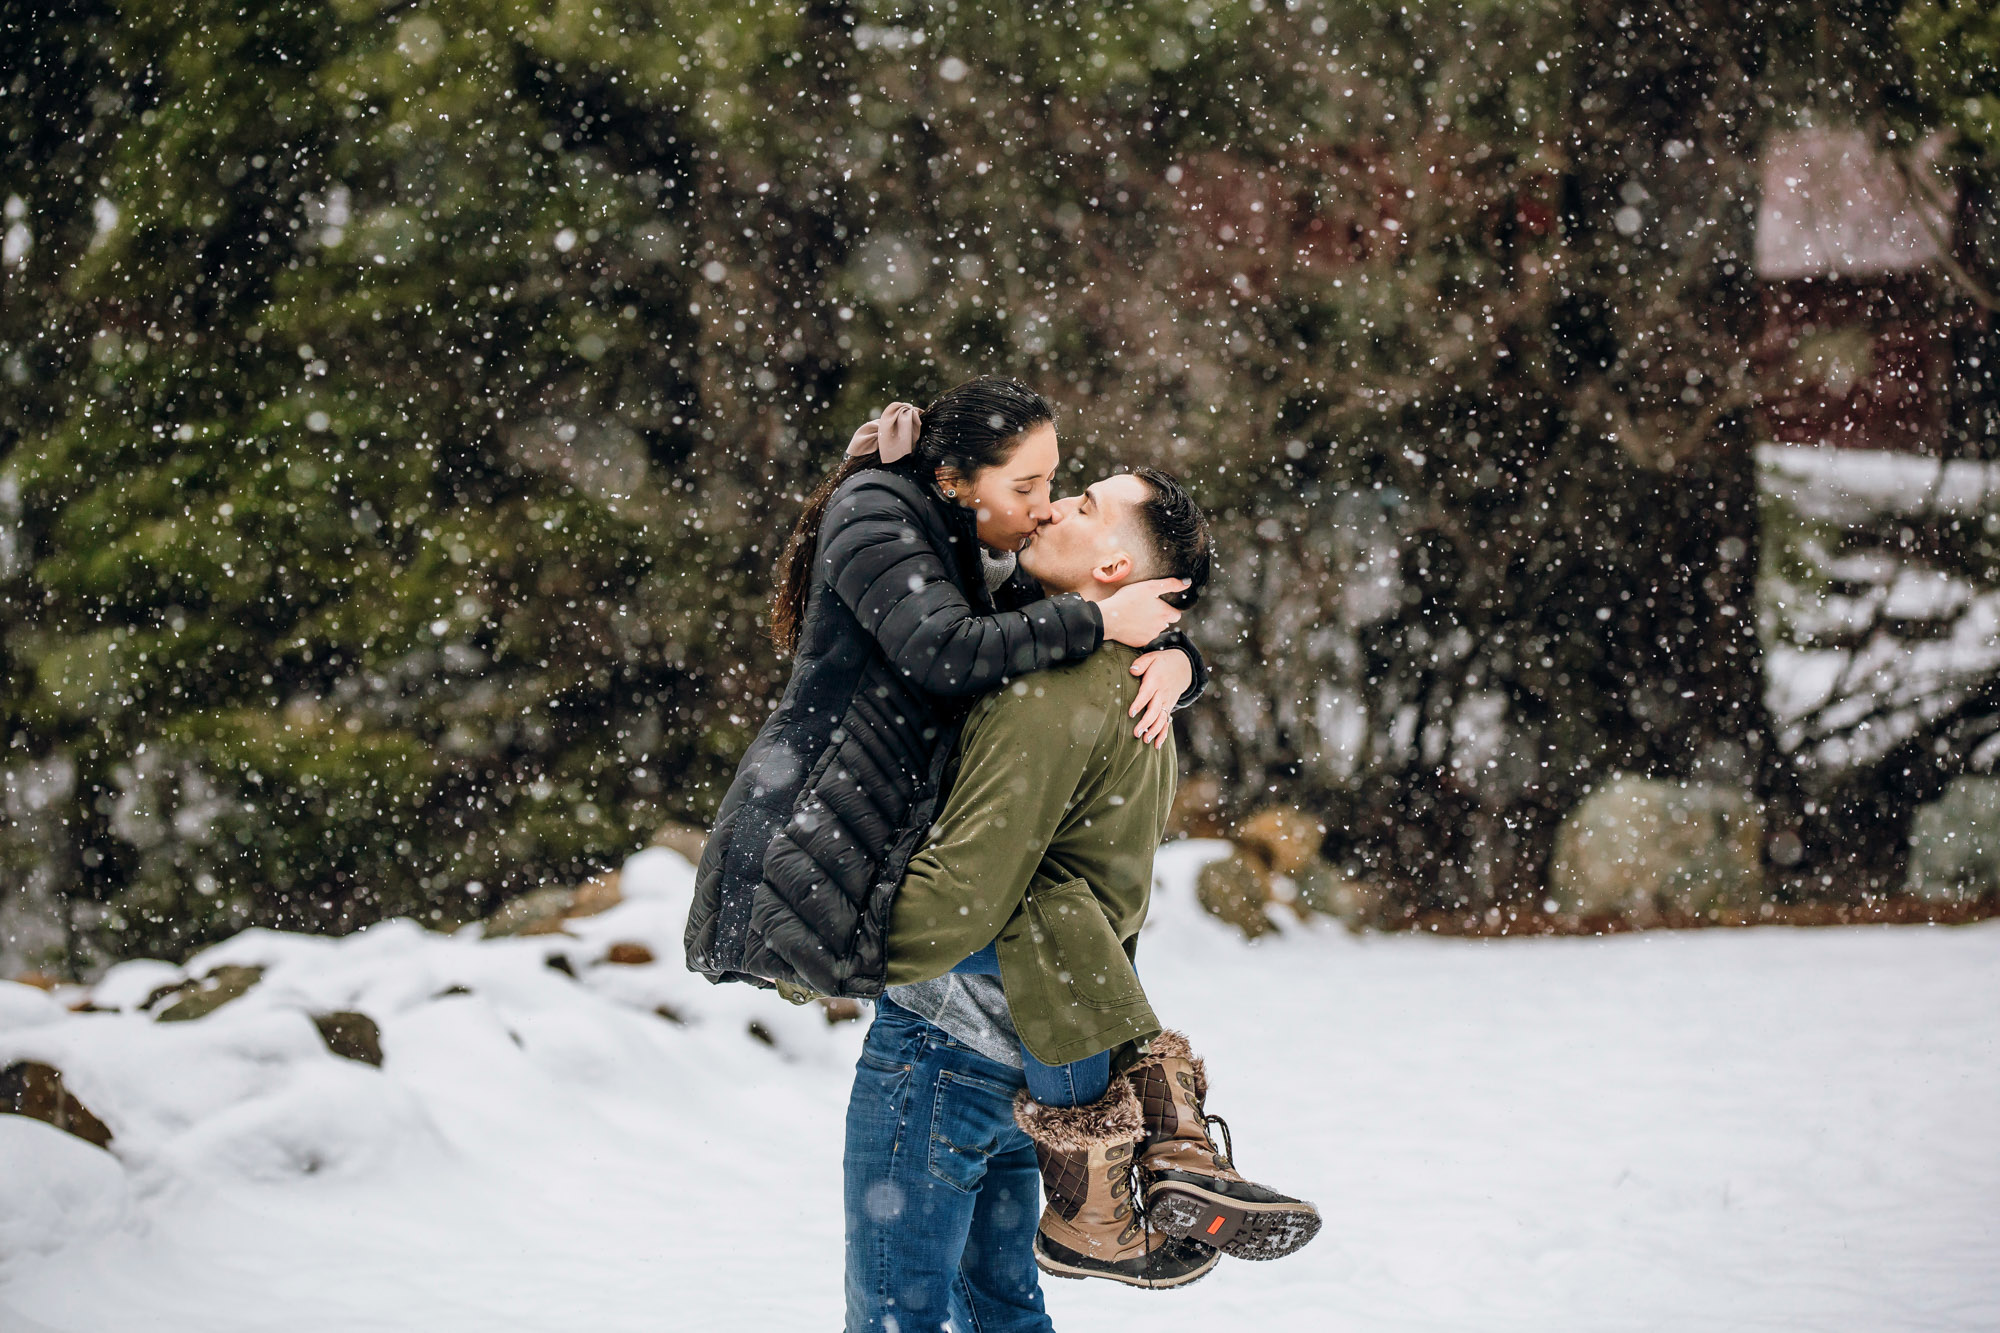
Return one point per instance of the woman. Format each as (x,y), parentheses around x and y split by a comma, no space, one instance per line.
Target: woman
(900,601)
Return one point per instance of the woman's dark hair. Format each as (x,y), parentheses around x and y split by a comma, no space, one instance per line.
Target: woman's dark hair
(970,428)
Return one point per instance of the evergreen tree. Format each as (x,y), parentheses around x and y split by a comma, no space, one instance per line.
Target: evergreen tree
(359,580)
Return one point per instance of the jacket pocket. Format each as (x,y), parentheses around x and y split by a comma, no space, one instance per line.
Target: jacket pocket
(1090,959)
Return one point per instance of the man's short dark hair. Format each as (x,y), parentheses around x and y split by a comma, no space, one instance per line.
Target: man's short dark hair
(1173,525)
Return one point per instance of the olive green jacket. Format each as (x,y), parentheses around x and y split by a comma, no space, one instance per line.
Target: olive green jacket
(1046,845)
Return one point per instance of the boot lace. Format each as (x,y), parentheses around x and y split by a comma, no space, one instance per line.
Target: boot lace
(1141,1219)
(1227,1157)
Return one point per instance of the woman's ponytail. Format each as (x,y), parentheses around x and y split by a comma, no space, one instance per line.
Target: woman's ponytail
(970,428)
(788,607)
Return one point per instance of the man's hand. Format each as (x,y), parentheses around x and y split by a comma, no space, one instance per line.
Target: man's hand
(1135,615)
(1164,678)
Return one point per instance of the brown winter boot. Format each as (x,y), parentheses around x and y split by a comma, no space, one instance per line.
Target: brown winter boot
(1090,1226)
(1190,1188)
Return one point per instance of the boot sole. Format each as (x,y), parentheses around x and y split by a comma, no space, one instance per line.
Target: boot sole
(1056,1268)
(1255,1231)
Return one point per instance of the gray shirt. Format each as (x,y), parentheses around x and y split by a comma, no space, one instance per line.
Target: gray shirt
(971,1010)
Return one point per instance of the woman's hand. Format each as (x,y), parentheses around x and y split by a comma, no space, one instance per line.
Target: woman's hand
(1135,615)
(1164,678)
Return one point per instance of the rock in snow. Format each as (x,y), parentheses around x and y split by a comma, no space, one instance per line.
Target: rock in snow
(29,1088)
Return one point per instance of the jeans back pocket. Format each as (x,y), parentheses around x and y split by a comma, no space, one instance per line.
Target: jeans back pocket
(968,1119)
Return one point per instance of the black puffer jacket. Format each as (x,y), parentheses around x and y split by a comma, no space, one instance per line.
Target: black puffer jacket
(839,788)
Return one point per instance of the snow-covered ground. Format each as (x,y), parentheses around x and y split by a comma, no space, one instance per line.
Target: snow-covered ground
(1856,485)
(1722,1130)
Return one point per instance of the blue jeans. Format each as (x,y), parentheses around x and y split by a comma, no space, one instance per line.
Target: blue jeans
(942,1190)
(1075,1084)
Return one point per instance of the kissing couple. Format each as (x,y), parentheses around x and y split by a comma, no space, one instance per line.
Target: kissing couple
(953,812)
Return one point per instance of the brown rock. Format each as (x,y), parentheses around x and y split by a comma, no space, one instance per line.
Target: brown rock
(1325,890)
(1236,889)
(37,1091)
(839,1010)
(159,993)
(682,838)
(39,980)
(1285,839)
(199,999)
(537,912)
(629,953)
(543,911)
(1197,809)
(351,1036)
(595,895)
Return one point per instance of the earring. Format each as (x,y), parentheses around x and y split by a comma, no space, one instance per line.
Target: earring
(951,495)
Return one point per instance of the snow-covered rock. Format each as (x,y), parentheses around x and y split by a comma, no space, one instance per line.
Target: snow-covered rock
(26,1006)
(58,1190)
(1638,847)
(129,985)
(1955,843)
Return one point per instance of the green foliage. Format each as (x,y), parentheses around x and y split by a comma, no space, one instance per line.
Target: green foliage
(1954,52)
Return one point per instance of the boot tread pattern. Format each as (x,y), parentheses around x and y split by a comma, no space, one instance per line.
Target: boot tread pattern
(1266,1231)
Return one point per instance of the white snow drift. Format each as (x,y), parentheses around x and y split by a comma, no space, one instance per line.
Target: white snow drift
(1715,1130)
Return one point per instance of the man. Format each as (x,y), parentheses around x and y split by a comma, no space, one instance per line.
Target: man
(1044,850)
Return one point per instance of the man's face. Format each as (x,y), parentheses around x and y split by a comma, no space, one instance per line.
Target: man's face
(1090,539)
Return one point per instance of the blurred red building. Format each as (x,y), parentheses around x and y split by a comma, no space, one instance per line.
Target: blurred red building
(1857,341)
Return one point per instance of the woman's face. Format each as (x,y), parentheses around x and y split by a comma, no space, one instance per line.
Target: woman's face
(1011,499)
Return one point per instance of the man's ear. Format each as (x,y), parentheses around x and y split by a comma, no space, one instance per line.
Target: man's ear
(1115,570)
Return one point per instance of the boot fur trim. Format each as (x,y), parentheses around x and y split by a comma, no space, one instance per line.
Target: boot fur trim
(1171,1045)
(1112,1119)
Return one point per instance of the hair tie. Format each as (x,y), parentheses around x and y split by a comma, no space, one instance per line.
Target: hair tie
(892,435)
